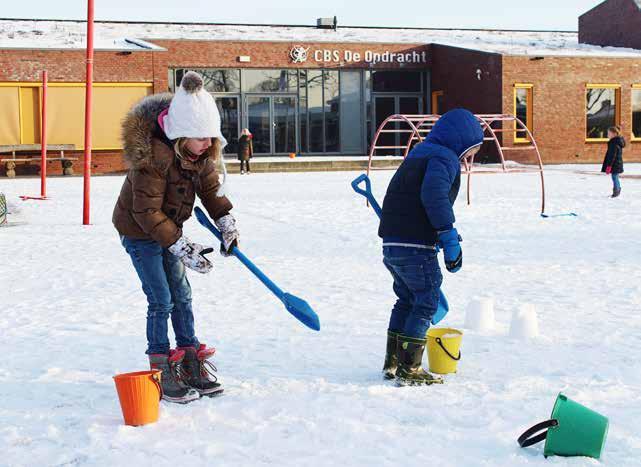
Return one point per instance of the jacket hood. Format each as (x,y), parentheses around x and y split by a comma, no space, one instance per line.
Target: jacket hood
(619,141)
(458,130)
(139,127)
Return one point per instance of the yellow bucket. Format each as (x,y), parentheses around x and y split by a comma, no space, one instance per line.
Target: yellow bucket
(443,349)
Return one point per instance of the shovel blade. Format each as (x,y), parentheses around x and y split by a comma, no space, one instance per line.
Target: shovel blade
(443,308)
(301,310)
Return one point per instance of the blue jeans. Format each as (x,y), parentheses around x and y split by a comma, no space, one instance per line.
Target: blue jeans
(417,280)
(168,293)
(615,181)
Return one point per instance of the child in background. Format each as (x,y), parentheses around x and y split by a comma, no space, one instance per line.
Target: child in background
(417,216)
(613,161)
(245,150)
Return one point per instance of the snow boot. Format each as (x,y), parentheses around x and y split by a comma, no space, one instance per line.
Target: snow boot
(391,358)
(410,355)
(173,388)
(616,192)
(198,372)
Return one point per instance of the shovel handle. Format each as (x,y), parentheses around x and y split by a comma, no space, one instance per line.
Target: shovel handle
(366,192)
(526,439)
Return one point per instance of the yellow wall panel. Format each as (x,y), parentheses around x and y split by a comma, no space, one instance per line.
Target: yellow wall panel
(110,105)
(30,116)
(9,115)
(66,115)
(20,115)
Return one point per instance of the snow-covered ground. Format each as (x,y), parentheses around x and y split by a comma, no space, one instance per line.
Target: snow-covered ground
(73,315)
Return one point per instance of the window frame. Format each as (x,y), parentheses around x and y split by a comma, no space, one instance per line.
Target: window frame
(617,108)
(633,138)
(529,123)
(434,101)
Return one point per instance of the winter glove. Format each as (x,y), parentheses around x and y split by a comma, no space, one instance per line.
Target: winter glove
(192,255)
(608,169)
(449,241)
(227,227)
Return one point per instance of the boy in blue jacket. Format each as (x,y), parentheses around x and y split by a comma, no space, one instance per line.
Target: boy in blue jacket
(418,217)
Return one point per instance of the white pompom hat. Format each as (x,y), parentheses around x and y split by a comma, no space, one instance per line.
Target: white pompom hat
(193,113)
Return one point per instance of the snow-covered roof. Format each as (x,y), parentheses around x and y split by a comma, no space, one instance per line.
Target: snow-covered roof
(53,34)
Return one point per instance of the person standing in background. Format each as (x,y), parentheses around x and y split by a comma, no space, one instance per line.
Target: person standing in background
(613,161)
(245,150)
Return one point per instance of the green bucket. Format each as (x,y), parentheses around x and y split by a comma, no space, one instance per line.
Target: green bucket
(572,430)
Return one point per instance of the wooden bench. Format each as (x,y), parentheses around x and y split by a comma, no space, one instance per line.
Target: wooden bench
(29,153)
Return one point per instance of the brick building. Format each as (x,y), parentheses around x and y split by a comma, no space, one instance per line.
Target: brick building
(322,91)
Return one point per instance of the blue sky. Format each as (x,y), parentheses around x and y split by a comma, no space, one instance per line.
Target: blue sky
(542,14)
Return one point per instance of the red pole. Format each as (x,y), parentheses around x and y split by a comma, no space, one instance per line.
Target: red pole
(88,102)
(43,138)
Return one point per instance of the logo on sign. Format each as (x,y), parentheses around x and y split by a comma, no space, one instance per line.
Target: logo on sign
(298,54)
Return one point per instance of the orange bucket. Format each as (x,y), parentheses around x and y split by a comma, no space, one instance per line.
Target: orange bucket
(139,393)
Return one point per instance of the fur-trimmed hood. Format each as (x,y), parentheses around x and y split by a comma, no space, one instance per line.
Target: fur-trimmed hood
(140,127)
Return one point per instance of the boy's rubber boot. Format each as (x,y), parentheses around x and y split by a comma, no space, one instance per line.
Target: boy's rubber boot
(199,373)
(616,192)
(409,371)
(391,358)
(173,388)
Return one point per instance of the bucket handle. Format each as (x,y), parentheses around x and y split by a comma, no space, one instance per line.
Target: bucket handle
(440,342)
(526,439)
(156,379)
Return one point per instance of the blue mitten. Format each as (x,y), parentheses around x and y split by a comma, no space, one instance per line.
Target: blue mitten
(450,242)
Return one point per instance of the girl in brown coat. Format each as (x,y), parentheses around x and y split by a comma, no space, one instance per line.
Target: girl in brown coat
(245,150)
(173,149)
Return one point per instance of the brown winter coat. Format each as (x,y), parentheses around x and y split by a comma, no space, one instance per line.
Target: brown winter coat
(245,148)
(158,194)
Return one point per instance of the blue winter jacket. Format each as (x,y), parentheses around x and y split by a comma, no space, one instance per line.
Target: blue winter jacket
(420,196)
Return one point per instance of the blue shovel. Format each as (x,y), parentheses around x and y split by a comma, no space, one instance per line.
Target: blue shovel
(443,306)
(295,305)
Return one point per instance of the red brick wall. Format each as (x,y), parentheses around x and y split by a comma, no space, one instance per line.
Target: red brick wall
(454,71)
(615,23)
(559,102)
(70,66)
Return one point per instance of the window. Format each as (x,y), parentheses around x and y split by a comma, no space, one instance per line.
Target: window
(396,81)
(323,105)
(223,80)
(523,109)
(229,115)
(351,109)
(171,84)
(315,109)
(332,107)
(302,109)
(636,112)
(270,81)
(602,110)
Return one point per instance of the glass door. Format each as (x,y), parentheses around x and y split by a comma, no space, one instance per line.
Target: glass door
(229,120)
(259,123)
(284,117)
(273,123)
(384,106)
